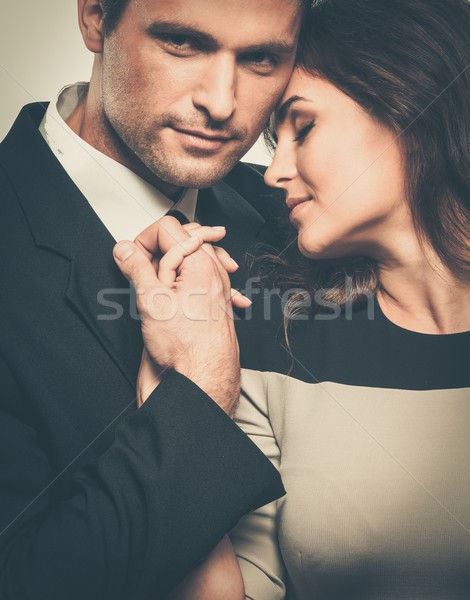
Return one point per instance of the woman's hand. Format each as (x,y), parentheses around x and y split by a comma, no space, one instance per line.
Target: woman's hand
(217,578)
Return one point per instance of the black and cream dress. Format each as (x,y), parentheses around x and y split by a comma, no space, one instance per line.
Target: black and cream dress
(370,430)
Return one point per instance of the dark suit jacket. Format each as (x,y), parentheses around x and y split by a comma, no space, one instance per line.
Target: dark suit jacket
(99,500)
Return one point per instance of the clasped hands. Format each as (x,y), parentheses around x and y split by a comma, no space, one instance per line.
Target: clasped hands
(186,304)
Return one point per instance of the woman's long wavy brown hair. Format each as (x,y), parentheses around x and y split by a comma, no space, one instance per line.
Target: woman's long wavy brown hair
(407,63)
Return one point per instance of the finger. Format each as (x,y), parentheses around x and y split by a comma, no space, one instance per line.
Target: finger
(212,252)
(203,265)
(190,226)
(194,225)
(206,233)
(167,231)
(169,234)
(173,259)
(135,265)
(239,300)
(161,236)
(226,260)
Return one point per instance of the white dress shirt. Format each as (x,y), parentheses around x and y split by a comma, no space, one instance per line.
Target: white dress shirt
(125,203)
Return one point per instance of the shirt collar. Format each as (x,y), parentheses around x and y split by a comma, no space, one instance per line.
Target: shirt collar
(125,203)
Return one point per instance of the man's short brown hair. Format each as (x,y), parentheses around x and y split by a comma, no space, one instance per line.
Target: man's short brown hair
(113,10)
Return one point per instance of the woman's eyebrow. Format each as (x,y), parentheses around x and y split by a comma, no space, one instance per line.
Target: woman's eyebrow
(282,111)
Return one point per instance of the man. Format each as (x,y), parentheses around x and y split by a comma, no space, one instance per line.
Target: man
(97,499)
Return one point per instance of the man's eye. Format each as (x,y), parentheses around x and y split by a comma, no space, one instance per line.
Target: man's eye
(304,131)
(263,62)
(261,57)
(179,42)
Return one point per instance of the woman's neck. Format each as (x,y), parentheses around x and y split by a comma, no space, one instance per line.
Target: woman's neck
(418,292)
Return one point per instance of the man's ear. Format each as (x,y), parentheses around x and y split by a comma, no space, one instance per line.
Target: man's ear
(90,20)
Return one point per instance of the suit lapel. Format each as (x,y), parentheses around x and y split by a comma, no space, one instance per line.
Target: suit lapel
(104,299)
(62,221)
(222,205)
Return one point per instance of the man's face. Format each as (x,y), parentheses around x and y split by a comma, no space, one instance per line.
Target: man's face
(188,85)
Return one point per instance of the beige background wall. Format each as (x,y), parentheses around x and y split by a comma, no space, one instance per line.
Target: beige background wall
(40,51)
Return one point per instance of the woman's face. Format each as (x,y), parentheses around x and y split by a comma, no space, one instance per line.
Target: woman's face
(342,171)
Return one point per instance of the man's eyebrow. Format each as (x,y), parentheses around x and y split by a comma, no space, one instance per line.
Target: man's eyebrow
(178,28)
(174,27)
(282,111)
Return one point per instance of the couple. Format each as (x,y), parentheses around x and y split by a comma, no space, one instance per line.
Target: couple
(366,415)
(369,426)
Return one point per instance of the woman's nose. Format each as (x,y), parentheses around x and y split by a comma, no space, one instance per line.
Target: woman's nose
(283,168)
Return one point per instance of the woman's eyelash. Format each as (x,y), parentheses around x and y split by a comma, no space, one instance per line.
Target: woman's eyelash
(304,131)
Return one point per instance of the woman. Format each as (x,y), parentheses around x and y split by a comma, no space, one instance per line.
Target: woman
(370,428)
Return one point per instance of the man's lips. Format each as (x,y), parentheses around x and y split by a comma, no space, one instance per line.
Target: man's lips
(202,141)
(205,135)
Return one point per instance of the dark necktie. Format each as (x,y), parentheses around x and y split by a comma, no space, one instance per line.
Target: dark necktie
(178,215)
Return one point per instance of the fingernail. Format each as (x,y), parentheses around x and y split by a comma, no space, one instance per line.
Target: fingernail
(238,293)
(123,250)
(219,228)
(235,264)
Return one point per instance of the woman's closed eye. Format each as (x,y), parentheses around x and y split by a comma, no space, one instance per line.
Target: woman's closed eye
(304,131)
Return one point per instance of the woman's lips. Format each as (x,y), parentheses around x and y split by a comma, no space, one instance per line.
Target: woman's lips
(293,204)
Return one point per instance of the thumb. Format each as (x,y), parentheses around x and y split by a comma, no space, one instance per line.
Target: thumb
(135,265)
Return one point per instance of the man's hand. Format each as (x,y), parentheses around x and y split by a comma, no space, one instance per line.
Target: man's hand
(187,324)
(161,243)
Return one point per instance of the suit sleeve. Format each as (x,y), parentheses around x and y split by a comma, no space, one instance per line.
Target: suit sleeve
(255,536)
(132,523)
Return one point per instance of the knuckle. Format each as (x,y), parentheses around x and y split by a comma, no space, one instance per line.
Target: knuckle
(175,254)
(164,261)
(169,224)
(196,260)
(134,270)
(168,220)
(142,305)
(210,266)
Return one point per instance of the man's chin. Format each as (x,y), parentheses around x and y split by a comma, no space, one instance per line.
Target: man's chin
(196,172)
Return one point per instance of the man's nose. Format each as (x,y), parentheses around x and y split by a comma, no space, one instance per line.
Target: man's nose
(216,92)
(283,169)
